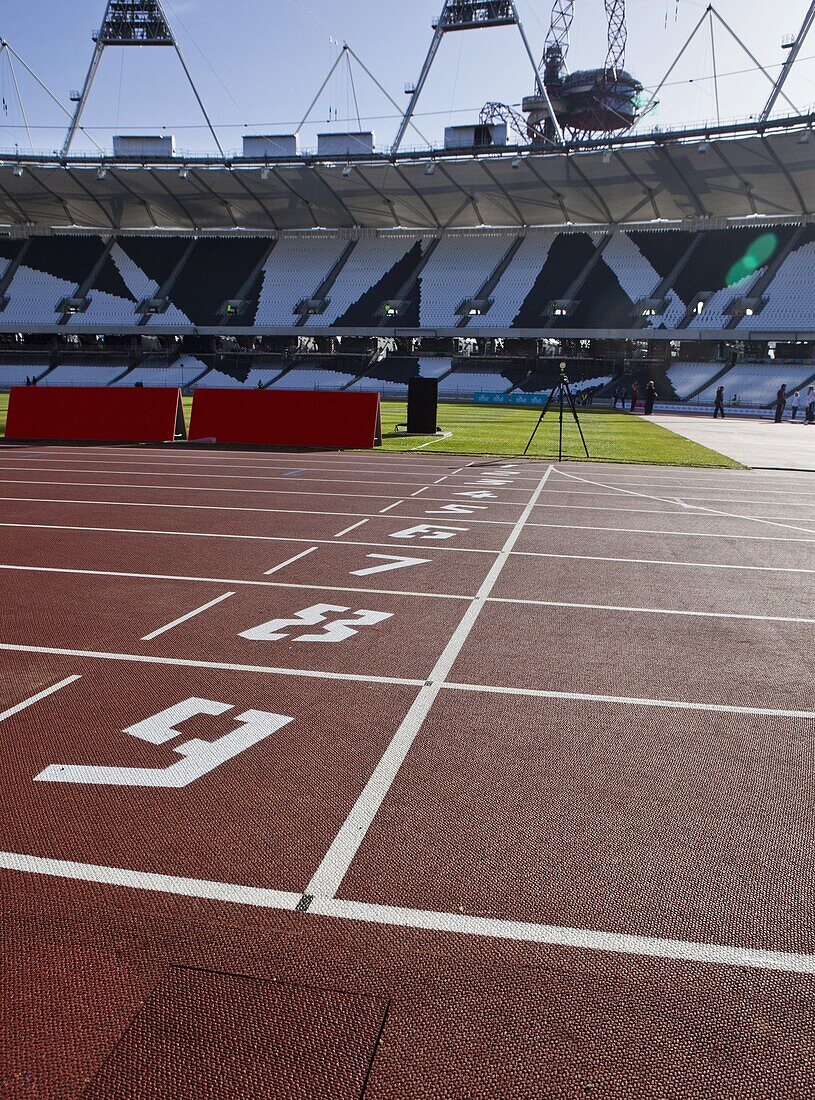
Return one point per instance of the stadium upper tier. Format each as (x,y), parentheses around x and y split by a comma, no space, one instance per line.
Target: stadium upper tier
(671,177)
(740,282)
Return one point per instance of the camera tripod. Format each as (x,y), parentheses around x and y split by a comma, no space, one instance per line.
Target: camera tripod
(562,393)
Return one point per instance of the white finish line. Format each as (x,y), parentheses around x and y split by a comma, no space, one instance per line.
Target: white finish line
(328,877)
(580,939)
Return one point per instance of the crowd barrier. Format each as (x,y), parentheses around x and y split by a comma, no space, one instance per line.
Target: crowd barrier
(94,414)
(287,418)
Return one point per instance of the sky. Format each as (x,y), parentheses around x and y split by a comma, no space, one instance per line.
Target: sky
(258,64)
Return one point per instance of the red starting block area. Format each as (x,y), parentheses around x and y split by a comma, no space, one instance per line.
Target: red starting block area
(287,418)
(94,414)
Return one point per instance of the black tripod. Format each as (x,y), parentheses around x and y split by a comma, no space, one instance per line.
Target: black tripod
(563,394)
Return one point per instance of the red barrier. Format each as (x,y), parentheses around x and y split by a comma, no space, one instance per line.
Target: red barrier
(97,414)
(286,418)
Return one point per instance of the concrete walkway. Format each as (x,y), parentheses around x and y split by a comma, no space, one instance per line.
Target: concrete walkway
(758,443)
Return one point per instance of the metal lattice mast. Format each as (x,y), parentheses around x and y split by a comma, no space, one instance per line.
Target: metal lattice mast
(795,49)
(557,40)
(131,23)
(468,15)
(617,36)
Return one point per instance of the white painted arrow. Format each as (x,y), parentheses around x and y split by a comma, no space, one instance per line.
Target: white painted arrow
(482,494)
(395,561)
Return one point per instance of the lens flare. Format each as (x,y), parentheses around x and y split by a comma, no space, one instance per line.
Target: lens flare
(759,252)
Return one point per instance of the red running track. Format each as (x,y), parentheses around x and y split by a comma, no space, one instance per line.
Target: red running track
(528,813)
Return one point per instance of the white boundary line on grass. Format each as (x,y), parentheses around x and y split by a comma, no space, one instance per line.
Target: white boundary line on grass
(580,939)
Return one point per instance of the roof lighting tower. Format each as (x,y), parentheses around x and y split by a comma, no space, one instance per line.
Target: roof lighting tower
(131,23)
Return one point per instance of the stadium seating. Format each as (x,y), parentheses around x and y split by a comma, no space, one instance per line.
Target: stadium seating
(215,379)
(368,263)
(790,296)
(460,265)
(313,379)
(756,383)
(180,374)
(518,279)
(464,383)
(82,374)
(687,378)
(293,273)
(16,374)
(604,276)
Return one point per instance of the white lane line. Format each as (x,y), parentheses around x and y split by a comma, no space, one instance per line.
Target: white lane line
(697,507)
(348,530)
(36,698)
(630,701)
(244,538)
(662,561)
(224,666)
(290,561)
(397,485)
(148,880)
(578,939)
(128,486)
(364,468)
(390,507)
(652,610)
(326,880)
(396,681)
(217,508)
(185,618)
(680,534)
(232,581)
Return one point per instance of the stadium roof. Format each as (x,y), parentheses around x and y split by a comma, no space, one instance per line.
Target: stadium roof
(770,174)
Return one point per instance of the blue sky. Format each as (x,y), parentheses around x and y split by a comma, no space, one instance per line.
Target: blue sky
(258,63)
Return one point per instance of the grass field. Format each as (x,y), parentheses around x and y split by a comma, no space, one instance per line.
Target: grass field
(493,430)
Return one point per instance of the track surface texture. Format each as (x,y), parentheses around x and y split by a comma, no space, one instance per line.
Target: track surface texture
(346,775)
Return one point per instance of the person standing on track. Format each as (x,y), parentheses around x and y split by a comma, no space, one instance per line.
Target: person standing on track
(810,408)
(650,397)
(780,402)
(619,396)
(795,401)
(635,395)
(718,404)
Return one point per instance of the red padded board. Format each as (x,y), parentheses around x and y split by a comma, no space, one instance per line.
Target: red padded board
(286,418)
(94,414)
